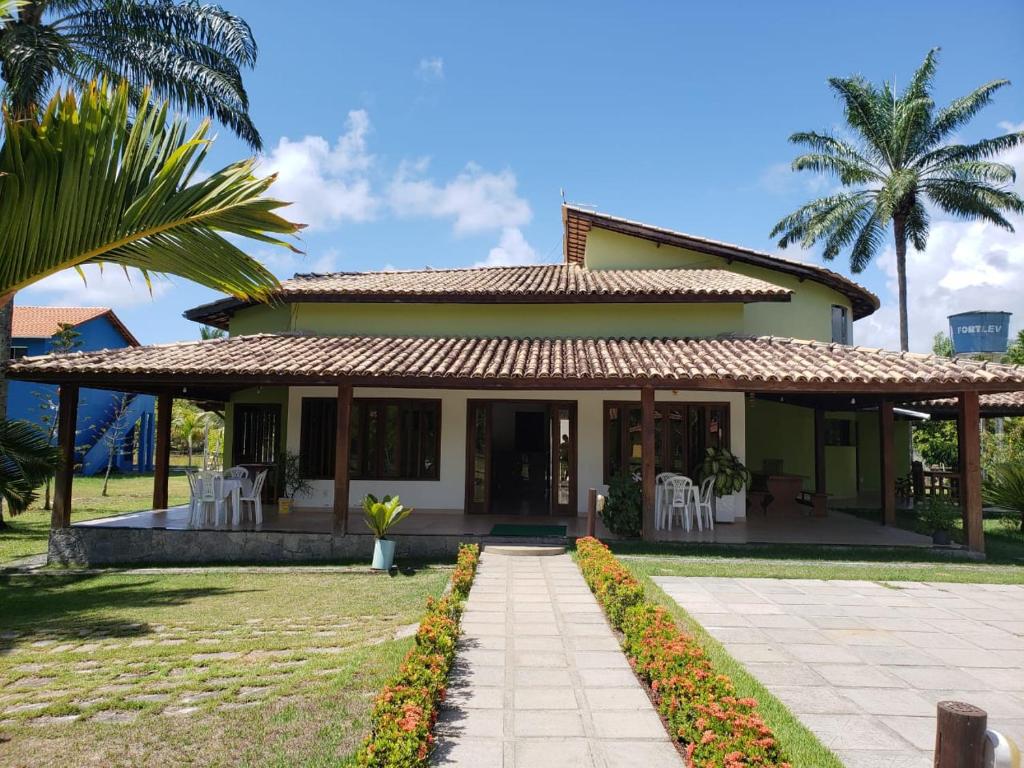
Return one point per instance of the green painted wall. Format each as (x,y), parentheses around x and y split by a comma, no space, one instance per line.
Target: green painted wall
(781,431)
(261,319)
(807,316)
(256,395)
(551,320)
(841,463)
(870,459)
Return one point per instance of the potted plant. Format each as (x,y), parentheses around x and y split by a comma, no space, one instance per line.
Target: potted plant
(381,516)
(731,476)
(936,518)
(623,505)
(291,481)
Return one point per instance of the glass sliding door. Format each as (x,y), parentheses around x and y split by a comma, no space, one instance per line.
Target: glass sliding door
(563,454)
(478,457)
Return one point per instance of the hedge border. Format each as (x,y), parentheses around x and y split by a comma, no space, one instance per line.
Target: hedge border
(717,728)
(403,715)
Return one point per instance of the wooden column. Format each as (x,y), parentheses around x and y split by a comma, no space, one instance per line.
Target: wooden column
(647,460)
(67,420)
(969,441)
(341,449)
(819,504)
(960,735)
(162,458)
(886,452)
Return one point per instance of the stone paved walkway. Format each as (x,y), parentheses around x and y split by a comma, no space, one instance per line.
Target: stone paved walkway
(864,664)
(540,679)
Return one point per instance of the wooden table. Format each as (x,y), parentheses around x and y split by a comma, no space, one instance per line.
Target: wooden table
(784,490)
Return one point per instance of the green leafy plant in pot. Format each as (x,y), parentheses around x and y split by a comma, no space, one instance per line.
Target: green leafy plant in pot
(290,481)
(381,516)
(731,476)
(936,517)
(622,509)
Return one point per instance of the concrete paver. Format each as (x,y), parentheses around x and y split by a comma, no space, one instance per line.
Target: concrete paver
(863,664)
(539,678)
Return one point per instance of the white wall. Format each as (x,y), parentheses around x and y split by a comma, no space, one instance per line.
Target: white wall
(448,493)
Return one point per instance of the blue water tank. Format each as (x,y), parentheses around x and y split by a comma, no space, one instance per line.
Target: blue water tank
(979,332)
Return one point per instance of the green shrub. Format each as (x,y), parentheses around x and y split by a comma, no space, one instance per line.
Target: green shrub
(624,505)
(1004,488)
(936,514)
(731,476)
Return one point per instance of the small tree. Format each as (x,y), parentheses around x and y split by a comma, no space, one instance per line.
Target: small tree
(113,438)
(65,341)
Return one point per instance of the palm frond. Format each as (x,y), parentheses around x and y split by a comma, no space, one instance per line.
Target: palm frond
(865,111)
(26,461)
(85,185)
(848,171)
(869,242)
(917,224)
(974,200)
(814,221)
(980,150)
(960,111)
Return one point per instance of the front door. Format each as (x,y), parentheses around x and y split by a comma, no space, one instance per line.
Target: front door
(521,457)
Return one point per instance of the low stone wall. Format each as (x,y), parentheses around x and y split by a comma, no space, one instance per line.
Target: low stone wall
(96,545)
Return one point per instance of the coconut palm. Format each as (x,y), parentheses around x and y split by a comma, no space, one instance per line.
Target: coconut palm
(26,461)
(91,183)
(189,53)
(899,159)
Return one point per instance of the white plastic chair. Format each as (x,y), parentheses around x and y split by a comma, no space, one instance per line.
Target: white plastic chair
(209,485)
(660,501)
(253,498)
(242,475)
(678,491)
(703,506)
(193,498)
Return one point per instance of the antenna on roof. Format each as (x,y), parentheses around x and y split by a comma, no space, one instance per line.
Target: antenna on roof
(561,191)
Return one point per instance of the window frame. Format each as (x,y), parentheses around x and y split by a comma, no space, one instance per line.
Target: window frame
(663,407)
(371,469)
(18,351)
(847,327)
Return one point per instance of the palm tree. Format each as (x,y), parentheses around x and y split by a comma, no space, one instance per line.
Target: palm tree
(94,182)
(189,53)
(26,460)
(900,158)
(207,332)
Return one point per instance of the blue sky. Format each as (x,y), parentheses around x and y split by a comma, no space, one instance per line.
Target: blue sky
(415,134)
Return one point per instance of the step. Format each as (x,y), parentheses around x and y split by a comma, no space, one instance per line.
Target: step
(523,550)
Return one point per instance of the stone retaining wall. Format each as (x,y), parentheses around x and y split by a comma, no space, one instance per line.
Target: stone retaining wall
(95,545)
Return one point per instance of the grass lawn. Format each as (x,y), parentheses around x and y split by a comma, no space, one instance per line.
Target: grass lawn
(27,533)
(211,668)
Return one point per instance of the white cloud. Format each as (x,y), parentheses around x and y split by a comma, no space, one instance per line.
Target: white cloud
(477,200)
(512,250)
(326,184)
(102,288)
(967,265)
(430,69)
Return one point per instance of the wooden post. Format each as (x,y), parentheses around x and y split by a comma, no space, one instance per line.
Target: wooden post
(647,460)
(591,512)
(819,502)
(969,441)
(887,476)
(341,449)
(67,421)
(960,735)
(162,459)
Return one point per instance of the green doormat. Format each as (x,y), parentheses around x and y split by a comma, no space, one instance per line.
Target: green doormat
(512,529)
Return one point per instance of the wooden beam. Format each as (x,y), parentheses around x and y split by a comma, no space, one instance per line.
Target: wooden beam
(341,449)
(67,420)
(969,440)
(886,452)
(647,460)
(162,458)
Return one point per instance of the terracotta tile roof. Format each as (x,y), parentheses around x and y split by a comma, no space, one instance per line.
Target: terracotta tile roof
(540,283)
(763,363)
(994,404)
(579,221)
(44,322)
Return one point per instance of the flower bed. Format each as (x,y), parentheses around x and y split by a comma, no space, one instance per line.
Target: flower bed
(405,711)
(719,729)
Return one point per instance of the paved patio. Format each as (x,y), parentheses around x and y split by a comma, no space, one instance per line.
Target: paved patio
(540,679)
(863,664)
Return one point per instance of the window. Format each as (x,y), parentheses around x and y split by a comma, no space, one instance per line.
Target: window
(682,433)
(840,324)
(389,439)
(255,433)
(839,432)
(18,352)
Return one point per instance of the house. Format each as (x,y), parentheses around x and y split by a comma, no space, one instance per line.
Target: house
(509,392)
(33,333)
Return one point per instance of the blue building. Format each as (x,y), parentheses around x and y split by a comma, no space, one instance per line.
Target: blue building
(130,417)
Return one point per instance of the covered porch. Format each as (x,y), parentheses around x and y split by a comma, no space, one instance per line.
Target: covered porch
(577,376)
